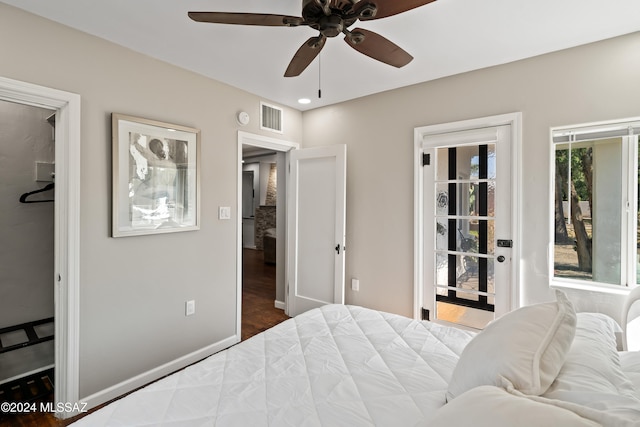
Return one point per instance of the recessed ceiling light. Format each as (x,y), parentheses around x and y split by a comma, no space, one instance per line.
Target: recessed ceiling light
(304,101)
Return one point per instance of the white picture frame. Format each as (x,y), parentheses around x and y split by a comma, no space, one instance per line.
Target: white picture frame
(156,177)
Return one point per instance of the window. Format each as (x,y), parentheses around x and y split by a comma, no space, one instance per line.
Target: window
(595,205)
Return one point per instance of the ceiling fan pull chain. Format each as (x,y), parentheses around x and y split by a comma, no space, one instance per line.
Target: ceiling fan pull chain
(319,78)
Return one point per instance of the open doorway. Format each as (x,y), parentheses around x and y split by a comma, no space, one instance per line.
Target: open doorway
(310,232)
(261,308)
(261,274)
(66,227)
(27,153)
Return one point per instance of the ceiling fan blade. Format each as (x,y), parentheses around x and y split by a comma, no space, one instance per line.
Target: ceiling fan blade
(264,19)
(305,55)
(376,9)
(377,47)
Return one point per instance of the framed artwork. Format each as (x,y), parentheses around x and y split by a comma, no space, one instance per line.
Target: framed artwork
(156,177)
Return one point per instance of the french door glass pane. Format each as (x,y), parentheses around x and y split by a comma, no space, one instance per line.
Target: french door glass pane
(467,194)
(467,272)
(464,243)
(466,235)
(467,162)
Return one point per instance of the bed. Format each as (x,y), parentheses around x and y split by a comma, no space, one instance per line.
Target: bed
(351,366)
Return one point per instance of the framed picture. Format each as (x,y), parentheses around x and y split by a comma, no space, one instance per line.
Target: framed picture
(156,177)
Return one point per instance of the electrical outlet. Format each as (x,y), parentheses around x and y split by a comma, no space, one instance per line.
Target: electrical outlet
(189,307)
(355,285)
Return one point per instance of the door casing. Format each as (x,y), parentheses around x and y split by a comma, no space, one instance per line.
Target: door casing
(66,280)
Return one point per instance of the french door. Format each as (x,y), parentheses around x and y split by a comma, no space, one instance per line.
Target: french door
(467,241)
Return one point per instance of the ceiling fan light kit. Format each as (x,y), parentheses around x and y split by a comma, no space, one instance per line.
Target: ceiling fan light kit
(330,18)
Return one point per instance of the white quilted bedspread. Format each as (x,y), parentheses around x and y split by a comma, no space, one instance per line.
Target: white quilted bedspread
(333,366)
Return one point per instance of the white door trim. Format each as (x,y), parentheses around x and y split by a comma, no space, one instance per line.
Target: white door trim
(245,138)
(67,227)
(419,133)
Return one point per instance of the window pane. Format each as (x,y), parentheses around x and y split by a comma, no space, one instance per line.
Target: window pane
(589,211)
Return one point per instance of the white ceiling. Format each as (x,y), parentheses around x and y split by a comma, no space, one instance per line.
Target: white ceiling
(445,37)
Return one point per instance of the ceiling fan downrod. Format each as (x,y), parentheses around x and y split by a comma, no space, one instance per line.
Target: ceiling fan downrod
(324,4)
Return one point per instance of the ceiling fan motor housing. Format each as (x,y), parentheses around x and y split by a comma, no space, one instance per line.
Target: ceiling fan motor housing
(331,26)
(330,21)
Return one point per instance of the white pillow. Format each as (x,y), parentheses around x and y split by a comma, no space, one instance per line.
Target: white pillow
(592,375)
(489,406)
(527,347)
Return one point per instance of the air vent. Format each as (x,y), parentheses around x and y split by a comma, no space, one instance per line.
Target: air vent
(270,117)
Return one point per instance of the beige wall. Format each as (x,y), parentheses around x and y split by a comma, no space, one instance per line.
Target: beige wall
(133,289)
(589,83)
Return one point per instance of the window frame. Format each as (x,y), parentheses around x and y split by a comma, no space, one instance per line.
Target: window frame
(629,132)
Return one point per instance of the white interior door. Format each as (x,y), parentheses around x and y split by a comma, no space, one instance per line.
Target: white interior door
(316,227)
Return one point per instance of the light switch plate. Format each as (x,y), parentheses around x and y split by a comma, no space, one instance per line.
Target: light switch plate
(224,212)
(189,307)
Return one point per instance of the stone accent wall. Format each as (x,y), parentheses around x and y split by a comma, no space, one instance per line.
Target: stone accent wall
(272,187)
(265,219)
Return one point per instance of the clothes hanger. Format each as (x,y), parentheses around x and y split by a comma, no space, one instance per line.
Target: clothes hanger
(23,198)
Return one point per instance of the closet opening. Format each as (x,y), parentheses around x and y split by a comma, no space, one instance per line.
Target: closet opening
(27,255)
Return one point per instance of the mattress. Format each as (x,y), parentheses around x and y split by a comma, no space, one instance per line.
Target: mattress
(334,366)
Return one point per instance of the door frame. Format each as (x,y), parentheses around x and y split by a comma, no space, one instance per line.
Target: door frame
(66,280)
(514,120)
(246,138)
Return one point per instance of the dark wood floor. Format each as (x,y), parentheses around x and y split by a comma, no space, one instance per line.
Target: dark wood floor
(258,295)
(258,314)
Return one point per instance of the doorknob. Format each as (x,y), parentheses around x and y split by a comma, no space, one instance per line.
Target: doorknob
(337,248)
(500,258)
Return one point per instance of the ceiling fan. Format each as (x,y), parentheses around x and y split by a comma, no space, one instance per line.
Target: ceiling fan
(330,18)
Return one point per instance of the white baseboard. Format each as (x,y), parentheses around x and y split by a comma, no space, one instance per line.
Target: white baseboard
(279,304)
(126,386)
